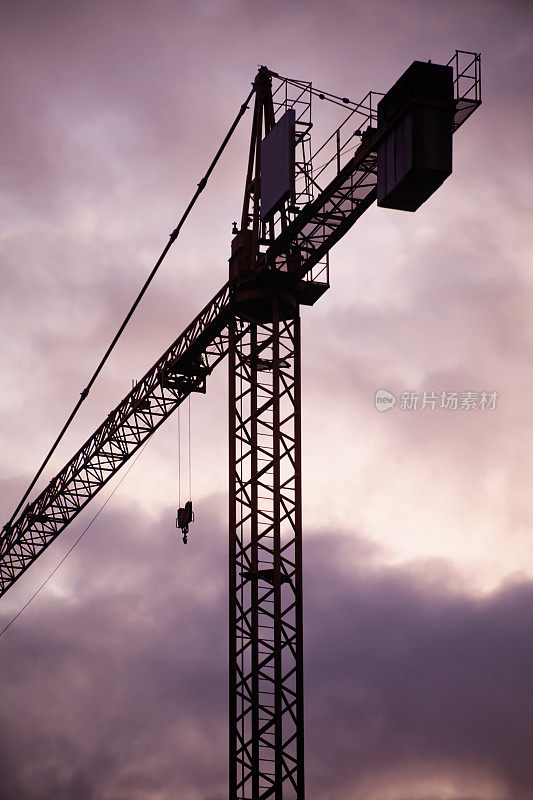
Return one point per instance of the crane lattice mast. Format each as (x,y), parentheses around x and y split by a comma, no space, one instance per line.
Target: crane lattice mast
(279,261)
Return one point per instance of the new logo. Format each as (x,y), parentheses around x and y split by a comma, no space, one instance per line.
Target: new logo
(385,400)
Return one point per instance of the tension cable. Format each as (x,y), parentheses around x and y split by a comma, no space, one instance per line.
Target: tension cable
(185,514)
(76,542)
(173,236)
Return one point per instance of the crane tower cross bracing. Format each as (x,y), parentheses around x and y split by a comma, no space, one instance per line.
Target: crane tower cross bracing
(279,261)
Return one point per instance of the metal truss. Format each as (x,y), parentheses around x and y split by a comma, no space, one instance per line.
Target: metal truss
(180,371)
(265,621)
(324,221)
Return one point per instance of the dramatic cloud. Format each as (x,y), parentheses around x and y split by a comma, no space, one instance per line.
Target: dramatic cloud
(416,681)
(115,678)
(419,555)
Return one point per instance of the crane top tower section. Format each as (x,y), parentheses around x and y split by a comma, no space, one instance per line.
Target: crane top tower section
(300,200)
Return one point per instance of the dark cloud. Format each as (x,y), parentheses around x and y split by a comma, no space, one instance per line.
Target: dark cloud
(115,679)
(414,672)
(126,668)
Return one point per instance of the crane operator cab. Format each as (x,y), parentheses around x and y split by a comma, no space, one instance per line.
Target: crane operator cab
(184,519)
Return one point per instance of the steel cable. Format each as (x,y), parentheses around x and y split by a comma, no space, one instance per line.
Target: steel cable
(173,236)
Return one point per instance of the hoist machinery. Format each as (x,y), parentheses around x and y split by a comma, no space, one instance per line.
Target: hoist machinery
(298,202)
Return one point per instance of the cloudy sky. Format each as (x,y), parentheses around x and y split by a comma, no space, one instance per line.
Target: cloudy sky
(418,551)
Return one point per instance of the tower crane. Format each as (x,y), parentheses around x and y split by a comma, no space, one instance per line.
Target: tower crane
(399,153)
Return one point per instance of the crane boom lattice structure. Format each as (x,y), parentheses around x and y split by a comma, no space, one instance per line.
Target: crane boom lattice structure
(279,261)
(180,371)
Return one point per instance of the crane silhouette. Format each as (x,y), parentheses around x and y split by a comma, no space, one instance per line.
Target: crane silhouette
(396,150)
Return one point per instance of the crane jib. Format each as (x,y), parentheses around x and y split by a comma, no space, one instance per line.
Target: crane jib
(180,371)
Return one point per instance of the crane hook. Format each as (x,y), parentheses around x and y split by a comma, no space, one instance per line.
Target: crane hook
(184,518)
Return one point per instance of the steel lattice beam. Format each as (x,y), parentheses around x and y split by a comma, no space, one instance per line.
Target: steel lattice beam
(266,696)
(324,221)
(180,371)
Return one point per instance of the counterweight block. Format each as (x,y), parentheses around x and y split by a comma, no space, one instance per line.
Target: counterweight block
(415,155)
